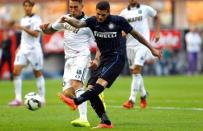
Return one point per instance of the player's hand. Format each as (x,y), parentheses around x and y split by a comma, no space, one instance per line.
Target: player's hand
(157,53)
(157,37)
(43,27)
(65,18)
(93,64)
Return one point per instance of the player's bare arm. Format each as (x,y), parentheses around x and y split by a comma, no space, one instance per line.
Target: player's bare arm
(74,22)
(142,40)
(95,62)
(157,27)
(47,28)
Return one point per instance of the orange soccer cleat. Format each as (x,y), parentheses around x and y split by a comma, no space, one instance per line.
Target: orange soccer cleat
(68,101)
(128,104)
(103,125)
(143,102)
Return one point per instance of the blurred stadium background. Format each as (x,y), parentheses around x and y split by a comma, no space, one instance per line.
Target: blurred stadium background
(176,18)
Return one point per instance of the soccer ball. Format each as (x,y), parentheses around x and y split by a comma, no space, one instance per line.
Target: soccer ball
(32,101)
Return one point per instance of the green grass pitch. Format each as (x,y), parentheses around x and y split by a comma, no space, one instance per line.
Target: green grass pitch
(175,103)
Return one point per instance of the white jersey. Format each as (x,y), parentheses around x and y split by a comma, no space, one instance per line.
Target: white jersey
(193,42)
(28,41)
(75,40)
(138,19)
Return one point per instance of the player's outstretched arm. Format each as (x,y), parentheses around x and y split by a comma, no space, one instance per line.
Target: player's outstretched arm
(74,22)
(142,40)
(47,28)
(157,27)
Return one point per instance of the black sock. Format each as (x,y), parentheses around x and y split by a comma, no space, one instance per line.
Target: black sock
(98,107)
(89,94)
(105,119)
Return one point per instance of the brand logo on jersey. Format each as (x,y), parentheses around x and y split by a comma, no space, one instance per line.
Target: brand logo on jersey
(71,28)
(111,26)
(134,19)
(105,34)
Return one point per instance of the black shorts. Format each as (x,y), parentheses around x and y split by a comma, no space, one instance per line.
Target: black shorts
(109,69)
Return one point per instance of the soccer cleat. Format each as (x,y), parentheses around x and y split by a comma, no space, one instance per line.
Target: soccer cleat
(128,104)
(80,123)
(143,102)
(103,125)
(15,103)
(68,101)
(101,96)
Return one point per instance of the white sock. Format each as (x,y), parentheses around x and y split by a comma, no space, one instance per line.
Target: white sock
(18,87)
(135,86)
(41,87)
(142,88)
(82,108)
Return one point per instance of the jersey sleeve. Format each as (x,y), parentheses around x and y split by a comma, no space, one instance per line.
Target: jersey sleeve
(90,22)
(125,26)
(36,24)
(151,12)
(57,25)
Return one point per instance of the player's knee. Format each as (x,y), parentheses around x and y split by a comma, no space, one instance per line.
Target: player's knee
(69,92)
(37,73)
(137,70)
(16,72)
(76,84)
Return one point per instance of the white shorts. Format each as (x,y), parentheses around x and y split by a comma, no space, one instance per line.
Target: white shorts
(76,68)
(136,55)
(33,56)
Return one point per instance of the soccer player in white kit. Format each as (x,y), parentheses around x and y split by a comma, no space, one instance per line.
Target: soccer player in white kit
(137,15)
(29,52)
(77,56)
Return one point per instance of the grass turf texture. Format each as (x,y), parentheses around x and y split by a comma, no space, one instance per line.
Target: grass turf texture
(175,103)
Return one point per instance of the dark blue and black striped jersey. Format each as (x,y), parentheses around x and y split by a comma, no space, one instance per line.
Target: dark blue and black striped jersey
(108,33)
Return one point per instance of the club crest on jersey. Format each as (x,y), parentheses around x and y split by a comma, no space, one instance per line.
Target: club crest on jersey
(139,11)
(111,26)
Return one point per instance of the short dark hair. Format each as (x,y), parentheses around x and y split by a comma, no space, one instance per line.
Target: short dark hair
(80,1)
(103,5)
(31,2)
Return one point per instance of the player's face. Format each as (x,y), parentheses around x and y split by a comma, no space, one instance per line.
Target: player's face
(101,15)
(133,2)
(75,8)
(28,8)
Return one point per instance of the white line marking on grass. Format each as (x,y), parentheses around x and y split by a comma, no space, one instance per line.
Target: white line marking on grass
(164,108)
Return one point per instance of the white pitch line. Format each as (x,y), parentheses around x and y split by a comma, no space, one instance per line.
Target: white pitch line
(163,108)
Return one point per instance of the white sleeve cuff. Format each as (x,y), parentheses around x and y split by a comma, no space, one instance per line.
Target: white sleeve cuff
(57,26)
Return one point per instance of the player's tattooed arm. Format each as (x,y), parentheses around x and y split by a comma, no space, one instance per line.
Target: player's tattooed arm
(142,40)
(74,22)
(47,28)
